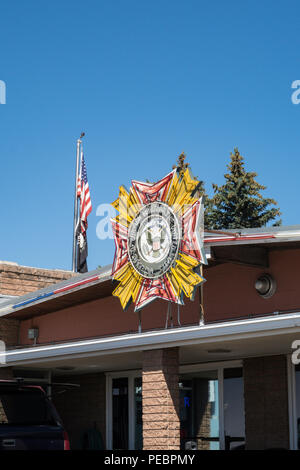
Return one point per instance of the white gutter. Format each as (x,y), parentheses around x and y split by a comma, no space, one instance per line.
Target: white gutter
(220,332)
(295,234)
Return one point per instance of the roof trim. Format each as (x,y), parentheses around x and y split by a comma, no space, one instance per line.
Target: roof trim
(73,284)
(250,236)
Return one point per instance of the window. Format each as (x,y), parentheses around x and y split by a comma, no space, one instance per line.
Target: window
(199,410)
(124,425)
(212,409)
(24,407)
(120,413)
(234,419)
(296,414)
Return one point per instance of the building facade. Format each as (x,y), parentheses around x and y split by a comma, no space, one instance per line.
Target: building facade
(219,372)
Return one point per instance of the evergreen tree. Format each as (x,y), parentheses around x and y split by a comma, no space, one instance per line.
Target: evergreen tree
(181,166)
(238,203)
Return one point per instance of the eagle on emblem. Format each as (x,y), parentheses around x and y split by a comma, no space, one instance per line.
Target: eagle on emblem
(155,236)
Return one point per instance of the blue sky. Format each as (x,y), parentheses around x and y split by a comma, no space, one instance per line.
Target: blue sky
(144,80)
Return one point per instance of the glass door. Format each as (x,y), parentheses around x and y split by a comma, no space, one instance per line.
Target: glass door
(120,413)
(297,411)
(212,409)
(138,414)
(124,426)
(199,411)
(234,419)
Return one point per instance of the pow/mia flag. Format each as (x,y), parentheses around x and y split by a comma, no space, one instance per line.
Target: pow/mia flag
(82,251)
(85,208)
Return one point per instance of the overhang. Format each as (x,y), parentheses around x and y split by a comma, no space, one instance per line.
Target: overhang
(268,335)
(76,290)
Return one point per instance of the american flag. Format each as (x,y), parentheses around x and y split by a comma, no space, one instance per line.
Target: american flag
(83,192)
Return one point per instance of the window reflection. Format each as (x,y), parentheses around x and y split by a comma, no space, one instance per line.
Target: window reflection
(200,414)
(199,411)
(120,413)
(297,374)
(234,418)
(138,413)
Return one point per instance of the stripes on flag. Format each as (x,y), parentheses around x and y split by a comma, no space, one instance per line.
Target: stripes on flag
(83,192)
(78,186)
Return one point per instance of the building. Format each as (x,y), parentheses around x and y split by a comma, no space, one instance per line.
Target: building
(173,378)
(16,280)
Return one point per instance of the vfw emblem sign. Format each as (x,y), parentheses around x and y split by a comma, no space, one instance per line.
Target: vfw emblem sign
(159,240)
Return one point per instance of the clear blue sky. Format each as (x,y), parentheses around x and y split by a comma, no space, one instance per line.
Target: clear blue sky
(144,80)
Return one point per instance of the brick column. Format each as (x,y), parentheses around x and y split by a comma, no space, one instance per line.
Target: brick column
(9,331)
(161,424)
(266,403)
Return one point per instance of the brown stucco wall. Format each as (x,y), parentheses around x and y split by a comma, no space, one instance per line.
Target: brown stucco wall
(228,293)
(103,317)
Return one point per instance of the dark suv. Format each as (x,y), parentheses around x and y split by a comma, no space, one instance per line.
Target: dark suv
(28,419)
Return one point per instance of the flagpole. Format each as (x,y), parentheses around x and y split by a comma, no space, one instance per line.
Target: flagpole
(79,142)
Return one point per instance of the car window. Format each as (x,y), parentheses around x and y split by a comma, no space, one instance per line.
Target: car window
(24,407)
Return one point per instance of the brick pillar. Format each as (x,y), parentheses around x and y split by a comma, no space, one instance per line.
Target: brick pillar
(161,424)
(203,410)
(9,331)
(266,403)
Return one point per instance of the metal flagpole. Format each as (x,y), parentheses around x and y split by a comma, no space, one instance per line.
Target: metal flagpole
(79,142)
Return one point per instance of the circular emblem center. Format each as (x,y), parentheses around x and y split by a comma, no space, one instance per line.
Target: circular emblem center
(153,240)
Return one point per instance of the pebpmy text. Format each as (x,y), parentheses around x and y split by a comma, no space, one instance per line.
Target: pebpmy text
(148,459)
